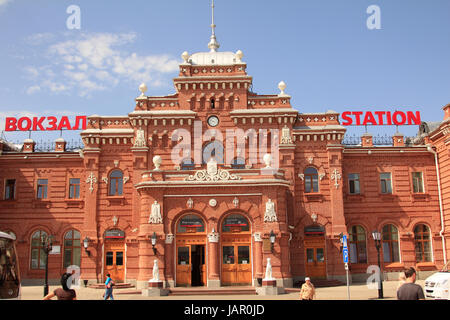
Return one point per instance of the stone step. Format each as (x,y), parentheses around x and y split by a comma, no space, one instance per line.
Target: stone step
(201,291)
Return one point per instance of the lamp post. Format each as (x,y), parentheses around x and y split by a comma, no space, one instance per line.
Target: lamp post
(377,238)
(272,240)
(47,246)
(341,240)
(154,242)
(86,246)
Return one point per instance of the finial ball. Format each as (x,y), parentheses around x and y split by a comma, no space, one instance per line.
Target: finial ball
(185,55)
(143,88)
(282,86)
(239,55)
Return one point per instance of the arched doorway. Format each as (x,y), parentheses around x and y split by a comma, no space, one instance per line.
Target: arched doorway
(236,244)
(190,253)
(315,257)
(114,255)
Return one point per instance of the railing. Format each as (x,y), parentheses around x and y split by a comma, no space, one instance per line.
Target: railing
(378,140)
(49,146)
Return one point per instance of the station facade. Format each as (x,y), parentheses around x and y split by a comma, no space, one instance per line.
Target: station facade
(165,172)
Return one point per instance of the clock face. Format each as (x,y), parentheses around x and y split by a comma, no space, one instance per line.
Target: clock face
(213,121)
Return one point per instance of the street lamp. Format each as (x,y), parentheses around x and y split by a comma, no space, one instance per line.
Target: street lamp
(341,240)
(272,240)
(377,238)
(86,245)
(154,242)
(47,246)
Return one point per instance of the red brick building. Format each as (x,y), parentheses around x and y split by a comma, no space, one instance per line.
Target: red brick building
(166,171)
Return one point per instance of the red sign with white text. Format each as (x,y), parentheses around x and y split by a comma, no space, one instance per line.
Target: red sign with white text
(381,118)
(44,124)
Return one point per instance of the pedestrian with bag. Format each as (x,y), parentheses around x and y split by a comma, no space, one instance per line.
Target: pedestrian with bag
(109,284)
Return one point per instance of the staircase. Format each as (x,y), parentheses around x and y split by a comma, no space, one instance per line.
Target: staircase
(202,291)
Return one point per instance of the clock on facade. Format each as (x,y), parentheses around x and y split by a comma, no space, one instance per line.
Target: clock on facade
(213,121)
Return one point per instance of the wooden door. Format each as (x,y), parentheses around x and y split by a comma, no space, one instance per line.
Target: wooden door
(114,263)
(184,265)
(236,264)
(315,261)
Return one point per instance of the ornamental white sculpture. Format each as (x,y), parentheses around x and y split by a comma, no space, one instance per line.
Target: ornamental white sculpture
(155,272)
(270,215)
(267,160)
(143,88)
(155,215)
(286,135)
(157,160)
(140,139)
(268,276)
(212,173)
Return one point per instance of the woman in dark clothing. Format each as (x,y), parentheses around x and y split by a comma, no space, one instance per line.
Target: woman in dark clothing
(63,293)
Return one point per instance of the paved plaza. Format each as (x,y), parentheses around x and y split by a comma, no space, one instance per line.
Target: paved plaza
(358,291)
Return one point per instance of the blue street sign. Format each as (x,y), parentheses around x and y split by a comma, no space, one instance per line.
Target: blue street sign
(345,254)
(344,241)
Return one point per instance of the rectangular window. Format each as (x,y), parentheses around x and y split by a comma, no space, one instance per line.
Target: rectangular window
(183,255)
(228,255)
(353,183)
(42,185)
(386,182)
(10,188)
(74,189)
(417,178)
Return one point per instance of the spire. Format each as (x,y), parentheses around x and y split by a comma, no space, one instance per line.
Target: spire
(213,44)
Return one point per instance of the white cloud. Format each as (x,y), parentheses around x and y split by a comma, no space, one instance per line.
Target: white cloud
(99,61)
(33,89)
(4,2)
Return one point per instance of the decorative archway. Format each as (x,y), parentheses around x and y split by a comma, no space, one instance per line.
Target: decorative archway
(190,257)
(236,250)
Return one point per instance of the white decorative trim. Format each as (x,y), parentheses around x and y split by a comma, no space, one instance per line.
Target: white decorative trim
(212,174)
(236,202)
(270,214)
(336,176)
(91,180)
(301,176)
(125,179)
(213,202)
(155,214)
(213,237)
(190,203)
(257,236)
(169,238)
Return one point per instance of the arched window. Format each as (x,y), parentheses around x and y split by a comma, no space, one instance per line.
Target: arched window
(235,223)
(357,244)
(37,252)
(187,164)
(116,183)
(238,163)
(391,251)
(72,249)
(311,180)
(422,243)
(190,224)
(213,104)
(214,150)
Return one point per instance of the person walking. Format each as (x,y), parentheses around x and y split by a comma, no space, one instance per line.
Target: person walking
(109,283)
(409,290)
(63,293)
(308,291)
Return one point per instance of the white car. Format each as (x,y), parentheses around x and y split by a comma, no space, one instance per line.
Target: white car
(437,286)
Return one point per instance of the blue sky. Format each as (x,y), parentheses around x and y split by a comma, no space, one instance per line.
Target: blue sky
(322,49)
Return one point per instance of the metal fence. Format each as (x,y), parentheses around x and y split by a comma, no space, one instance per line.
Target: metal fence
(378,140)
(49,146)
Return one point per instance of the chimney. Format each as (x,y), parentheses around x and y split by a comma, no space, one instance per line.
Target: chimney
(398,140)
(28,145)
(367,140)
(446,111)
(60,145)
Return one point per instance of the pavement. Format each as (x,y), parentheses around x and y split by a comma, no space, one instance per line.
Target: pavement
(358,291)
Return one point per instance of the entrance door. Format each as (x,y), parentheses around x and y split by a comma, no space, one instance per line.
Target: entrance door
(114,260)
(315,262)
(236,266)
(191,267)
